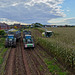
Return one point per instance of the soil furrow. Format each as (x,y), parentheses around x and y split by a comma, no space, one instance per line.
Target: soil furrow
(10,63)
(33,68)
(19,64)
(36,63)
(25,62)
(43,66)
(26,65)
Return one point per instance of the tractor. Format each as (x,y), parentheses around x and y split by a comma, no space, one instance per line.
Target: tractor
(10,41)
(28,40)
(12,37)
(47,33)
(25,32)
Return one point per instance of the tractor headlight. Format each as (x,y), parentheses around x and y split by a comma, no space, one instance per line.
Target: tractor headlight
(26,46)
(33,45)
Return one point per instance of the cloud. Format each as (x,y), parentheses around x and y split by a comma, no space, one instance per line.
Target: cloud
(67,10)
(60,21)
(30,11)
(10,22)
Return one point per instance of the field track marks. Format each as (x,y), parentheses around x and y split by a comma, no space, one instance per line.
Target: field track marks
(10,63)
(33,66)
(37,65)
(41,61)
(15,63)
(26,65)
(19,63)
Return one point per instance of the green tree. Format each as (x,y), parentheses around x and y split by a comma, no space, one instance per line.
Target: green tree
(37,24)
(2,32)
(15,27)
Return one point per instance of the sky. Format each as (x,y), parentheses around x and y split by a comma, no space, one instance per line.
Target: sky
(59,12)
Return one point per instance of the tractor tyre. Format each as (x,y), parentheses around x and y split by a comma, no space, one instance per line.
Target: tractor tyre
(6,46)
(33,48)
(15,46)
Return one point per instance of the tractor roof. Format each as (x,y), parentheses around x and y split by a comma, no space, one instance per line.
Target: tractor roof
(27,35)
(13,30)
(48,31)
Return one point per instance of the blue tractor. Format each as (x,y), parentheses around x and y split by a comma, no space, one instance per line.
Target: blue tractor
(10,41)
(12,37)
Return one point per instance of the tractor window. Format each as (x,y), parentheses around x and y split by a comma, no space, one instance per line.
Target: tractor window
(29,32)
(28,37)
(48,34)
(29,41)
(10,37)
(10,32)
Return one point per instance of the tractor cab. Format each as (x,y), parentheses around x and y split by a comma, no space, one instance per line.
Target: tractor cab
(28,36)
(10,37)
(10,41)
(25,32)
(48,33)
(29,41)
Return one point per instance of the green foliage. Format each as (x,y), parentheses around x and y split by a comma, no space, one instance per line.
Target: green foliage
(61,44)
(54,69)
(2,49)
(2,54)
(2,40)
(62,73)
(37,24)
(41,68)
(2,32)
(59,51)
(15,27)
(40,30)
(1,60)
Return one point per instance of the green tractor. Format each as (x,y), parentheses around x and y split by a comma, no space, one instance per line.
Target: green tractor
(47,34)
(28,40)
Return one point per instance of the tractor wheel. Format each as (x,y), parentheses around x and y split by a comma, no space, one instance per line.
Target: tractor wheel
(33,48)
(14,46)
(6,46)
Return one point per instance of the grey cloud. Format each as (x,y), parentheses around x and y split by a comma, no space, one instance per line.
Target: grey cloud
(60,21)
(29,11)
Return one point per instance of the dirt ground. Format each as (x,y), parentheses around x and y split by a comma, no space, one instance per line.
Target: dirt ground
(25,61)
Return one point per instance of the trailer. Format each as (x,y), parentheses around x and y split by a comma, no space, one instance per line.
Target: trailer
(16,33)
(26,32)
(12,37)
